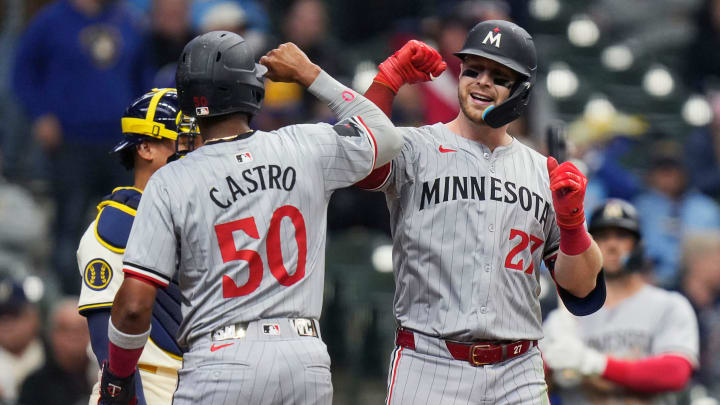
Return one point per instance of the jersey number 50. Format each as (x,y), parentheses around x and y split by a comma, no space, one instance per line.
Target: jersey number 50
(229,252)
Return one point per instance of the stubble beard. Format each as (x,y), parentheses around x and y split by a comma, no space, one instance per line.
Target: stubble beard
(470,113)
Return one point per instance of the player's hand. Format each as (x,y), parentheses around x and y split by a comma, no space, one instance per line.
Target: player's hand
(567,184)
(287,63)
(415,62)
(569,356)
(115,390)
(47,131)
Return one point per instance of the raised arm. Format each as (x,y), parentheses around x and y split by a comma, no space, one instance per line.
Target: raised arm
(579,261)
(288,63)
(415,62)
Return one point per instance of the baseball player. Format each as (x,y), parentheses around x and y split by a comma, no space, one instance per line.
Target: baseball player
(473,212)
(245,217)
(640,346)
(150,126)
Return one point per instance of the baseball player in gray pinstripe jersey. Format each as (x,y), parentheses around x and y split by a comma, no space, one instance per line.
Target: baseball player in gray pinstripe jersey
(473,213)
(244,219)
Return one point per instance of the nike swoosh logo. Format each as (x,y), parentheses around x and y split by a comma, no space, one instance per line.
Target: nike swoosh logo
(213,347)
(443,150)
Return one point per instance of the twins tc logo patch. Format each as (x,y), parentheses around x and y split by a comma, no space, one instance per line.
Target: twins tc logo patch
(244,157)
(98,274)
(271,329)
(114,390)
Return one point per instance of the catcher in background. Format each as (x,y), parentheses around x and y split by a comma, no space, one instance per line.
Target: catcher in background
(150,126)
(641,346)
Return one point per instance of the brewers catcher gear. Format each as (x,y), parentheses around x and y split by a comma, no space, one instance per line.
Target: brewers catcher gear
(187,131)
(510,45)
(217,75)
(154,115)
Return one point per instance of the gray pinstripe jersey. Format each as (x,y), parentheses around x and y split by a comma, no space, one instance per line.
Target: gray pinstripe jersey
(651,322)
(249,217)
(470,229)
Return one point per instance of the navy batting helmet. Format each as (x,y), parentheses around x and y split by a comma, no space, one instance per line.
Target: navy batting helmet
(217,75)
(154,115)
(615,213)
(509,45)
(620,214)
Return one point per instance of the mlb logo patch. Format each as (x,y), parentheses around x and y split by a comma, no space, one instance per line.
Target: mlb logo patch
(202,111)
(271,329)
(244,157)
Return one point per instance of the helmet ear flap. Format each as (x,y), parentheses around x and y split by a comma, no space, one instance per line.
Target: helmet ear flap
(510,109)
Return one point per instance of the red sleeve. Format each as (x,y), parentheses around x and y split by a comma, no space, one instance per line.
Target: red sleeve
(122,362)
(383,97)
(651,375)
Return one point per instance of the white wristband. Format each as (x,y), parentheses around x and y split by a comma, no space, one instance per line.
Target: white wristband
(125,340)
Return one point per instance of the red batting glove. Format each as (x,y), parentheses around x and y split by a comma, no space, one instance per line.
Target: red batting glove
(415,62)
(567,184)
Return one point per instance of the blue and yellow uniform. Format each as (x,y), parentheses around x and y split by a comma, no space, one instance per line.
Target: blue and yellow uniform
(100,262)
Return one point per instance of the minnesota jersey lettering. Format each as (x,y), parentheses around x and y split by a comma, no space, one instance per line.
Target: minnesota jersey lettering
(452,188)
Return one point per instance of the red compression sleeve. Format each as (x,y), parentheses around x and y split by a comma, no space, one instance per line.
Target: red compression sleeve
(383,97)
(123,361)
(574,241)
(651,375)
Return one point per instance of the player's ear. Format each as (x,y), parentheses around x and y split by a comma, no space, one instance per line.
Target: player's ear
(144,150)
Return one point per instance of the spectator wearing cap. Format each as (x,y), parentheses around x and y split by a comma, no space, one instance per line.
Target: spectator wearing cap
(230,16)
(68,367)
(670,209)
(21,349)
(254,15)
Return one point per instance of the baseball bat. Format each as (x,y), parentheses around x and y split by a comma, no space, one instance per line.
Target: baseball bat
(556,139)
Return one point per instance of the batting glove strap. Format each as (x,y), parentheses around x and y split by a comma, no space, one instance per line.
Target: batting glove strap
(115,390)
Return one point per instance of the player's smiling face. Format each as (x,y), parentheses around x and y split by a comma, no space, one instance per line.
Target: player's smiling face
(483,83)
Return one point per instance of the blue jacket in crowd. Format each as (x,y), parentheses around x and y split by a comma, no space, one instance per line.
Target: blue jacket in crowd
(83,69)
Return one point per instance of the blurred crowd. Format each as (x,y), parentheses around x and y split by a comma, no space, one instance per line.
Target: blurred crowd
(69,68)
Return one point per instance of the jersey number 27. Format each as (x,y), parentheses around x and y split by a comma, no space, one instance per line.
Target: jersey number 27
(229,252)
(525,239)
